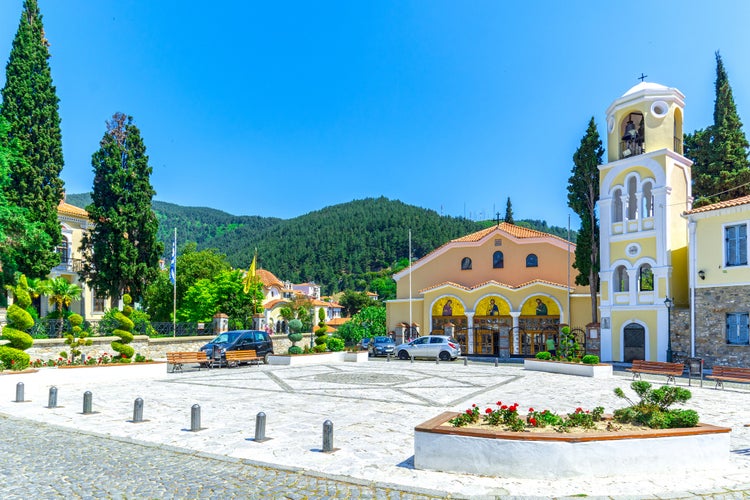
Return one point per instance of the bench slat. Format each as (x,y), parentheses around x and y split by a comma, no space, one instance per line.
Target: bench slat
(721,373)
(671,370)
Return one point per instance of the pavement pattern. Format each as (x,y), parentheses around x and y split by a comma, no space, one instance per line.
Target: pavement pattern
(374,406)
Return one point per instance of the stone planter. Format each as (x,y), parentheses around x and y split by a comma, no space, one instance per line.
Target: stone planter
(306,359)
(551,455)
(582,370)
(356,357)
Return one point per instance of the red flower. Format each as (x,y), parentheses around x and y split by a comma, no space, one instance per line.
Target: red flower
(499,403)
(531,410)
(579,410)
(474,405)
(468,412)
(532,421)
(504,407)
(488,410)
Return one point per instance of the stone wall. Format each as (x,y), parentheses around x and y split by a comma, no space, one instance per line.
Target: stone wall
(711,307)
(150,348)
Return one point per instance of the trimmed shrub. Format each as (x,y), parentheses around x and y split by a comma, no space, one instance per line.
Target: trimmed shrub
(12,356)
(543,355)
(295,349)
(335,344)
(590,359)
(124,331)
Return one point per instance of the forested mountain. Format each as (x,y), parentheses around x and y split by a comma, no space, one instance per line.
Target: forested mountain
(339,247)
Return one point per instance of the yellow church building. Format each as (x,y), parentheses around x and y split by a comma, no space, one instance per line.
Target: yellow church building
(500,292)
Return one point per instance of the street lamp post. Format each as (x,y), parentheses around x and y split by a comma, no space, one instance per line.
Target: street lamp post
(668,303)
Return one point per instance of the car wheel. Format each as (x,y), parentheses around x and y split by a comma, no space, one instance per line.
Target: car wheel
(265,357)
(445,356)
(403,355)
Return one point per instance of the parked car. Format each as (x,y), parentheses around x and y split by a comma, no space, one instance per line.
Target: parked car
(239,340)
(381,346)
(364,343)
(430,346)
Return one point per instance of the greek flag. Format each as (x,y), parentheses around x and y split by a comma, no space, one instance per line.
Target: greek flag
(173,263)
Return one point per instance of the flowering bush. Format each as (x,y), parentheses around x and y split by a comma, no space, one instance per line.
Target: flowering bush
(507,415)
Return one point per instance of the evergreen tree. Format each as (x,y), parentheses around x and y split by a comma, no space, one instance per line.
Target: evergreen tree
(721,170)
(121,253)
(30,107)
(583,194)
(18,235)
(508,212)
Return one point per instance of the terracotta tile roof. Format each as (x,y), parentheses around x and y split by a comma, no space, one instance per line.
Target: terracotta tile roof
(337,321)
(511,229)
(268,278)
(743,200)
(71,210)
(274,303)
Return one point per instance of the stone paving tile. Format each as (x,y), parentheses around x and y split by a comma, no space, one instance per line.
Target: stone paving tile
(374,407)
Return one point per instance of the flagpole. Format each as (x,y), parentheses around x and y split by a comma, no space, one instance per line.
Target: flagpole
(174,284)
(410,318)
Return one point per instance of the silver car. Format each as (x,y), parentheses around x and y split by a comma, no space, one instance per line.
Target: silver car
(430,346)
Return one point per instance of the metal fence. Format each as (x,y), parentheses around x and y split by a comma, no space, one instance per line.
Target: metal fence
(56,328)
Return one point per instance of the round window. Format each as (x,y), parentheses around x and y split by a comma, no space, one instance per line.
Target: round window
(659,109)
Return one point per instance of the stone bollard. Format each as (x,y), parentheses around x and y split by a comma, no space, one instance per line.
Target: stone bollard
(388,356)
(327,436)
(83,358)
(466,361)
(138,411)
(411,357)
(260,427)
(195,418)
(437,359)
(87,397)
(52,401)
(497,361)
(19,393)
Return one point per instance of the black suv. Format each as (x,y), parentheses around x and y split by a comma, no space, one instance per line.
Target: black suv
(239,340)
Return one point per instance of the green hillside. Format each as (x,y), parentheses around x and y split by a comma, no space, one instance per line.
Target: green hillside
(340,247)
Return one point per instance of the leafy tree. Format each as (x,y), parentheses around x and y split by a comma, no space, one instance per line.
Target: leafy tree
(77,337)
(583,193)
(121,251)
(19,320)
(369,322)
(353,302)
(192,265)
(30,107)
(508,212)
(61,293)
(721,170)
(224,293)
(384,286)
(19,236)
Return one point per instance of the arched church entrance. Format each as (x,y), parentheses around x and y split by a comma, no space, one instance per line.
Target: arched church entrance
(539,320)
(492,325)
(448,311)
(634,342)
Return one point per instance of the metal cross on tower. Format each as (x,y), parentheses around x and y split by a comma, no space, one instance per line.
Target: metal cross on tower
(642,77)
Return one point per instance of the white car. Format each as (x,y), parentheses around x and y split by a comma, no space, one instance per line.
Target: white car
(430,346)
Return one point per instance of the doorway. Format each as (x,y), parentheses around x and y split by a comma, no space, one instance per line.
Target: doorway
(634,343)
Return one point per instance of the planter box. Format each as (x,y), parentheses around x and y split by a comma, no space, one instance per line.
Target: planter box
(553,455)
(596,371)
(307,359)
(356,357)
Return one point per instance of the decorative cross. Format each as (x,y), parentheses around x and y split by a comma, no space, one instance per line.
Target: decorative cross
(498,219)
(642,77)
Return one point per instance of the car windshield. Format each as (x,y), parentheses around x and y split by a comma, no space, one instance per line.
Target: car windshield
(381,340)
(226,338)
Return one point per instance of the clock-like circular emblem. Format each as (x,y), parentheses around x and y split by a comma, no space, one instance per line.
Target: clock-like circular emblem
(611,124)
(633,250)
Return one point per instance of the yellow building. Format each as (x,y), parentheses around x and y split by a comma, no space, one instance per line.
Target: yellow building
(74,222)
(720,282)
(500,291)
(644,189)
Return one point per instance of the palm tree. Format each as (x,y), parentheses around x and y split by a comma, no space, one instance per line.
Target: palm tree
(61,294)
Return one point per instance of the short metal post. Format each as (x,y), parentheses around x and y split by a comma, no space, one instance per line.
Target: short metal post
(466,361)
(83,359)
(87,396)
(19,392)
(327,436)
(496,362)
(52,401)
(411,357)
(138,410)
(195,418)
(260,426)
(437,360)
(388,356)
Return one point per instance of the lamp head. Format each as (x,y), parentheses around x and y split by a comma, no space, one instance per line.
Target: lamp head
(668,302)
(702,274)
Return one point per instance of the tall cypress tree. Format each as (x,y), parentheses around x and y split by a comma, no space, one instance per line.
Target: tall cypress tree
(30,106)
(721,170)
(508,212)
(121,251)
(583,194)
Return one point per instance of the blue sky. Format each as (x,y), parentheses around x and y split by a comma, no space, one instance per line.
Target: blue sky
(281,108)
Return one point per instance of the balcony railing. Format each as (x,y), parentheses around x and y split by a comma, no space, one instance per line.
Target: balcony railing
(678,145)
(69,266)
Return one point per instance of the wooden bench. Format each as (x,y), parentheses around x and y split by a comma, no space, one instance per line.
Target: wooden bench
(671,370)
(723,374)
(234,358)
(178,359)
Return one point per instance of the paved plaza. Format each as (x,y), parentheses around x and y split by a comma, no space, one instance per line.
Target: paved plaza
(374,406)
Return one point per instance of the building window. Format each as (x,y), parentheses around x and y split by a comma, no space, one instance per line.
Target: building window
(617,206)
(98,303)
(532,260)
(647,210)
(735,245)
(497,260)
(64,250)
(621,279)
(465,264)
(645,278)
(632,198)
(737,328)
